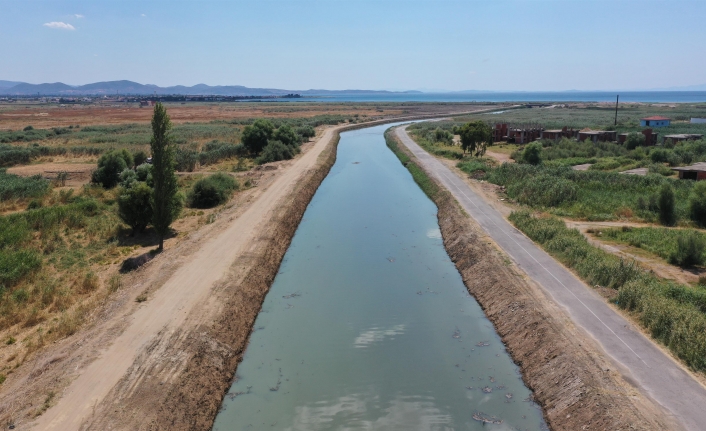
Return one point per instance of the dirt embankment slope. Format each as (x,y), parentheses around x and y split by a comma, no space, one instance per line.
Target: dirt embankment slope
(572,381)
(167,362)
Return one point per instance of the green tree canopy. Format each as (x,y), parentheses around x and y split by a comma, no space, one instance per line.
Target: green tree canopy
(697,203)
(110,166)
(286,135)
(475,137)
(134,206)
(666,202)
(634,140)
(532,153)
(166,203)
(255,136)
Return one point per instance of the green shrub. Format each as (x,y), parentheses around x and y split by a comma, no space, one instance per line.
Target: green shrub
(306,132)
(214,151)
(139,157)
(286,135)
(15,265)
(634,140)
(544,191)
(667,215)
(255,136)
(144,173)
(532,153)
(16,187)
(674,314)
(697,203)
(274,152)
(127,178)
(134,206)
(110,166)
(689,251)
(211,191)
(186,159)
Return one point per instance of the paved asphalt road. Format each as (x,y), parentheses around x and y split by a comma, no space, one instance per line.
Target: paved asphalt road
(657,374)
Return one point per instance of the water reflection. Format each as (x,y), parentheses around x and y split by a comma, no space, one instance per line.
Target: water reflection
(368,325)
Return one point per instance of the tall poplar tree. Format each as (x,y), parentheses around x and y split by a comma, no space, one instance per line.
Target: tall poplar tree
(165,201)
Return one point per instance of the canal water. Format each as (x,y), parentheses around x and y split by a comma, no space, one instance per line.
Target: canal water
(368,325)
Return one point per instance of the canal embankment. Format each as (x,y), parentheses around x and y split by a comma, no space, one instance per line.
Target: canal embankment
(577,387)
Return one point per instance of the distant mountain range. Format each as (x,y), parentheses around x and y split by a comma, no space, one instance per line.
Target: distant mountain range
(134,88)
(14,88)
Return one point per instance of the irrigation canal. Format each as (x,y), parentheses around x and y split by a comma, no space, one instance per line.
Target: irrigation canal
(368,325)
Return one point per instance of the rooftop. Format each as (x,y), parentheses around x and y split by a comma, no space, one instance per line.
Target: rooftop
(655,118)
(701,167)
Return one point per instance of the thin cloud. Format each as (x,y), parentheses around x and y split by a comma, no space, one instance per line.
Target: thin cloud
(79,16)
(143,14)
(59,25)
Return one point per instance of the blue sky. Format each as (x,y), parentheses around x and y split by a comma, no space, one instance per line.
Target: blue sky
(530,45)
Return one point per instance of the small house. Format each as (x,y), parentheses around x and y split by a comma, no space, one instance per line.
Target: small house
(655,121)
(698,121)
(557,134)
(697,172)
(598,135)
(681,137)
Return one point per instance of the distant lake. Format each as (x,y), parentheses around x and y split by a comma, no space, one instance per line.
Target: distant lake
(569,96)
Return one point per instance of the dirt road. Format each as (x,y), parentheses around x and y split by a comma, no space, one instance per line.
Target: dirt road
(640,361)
(166,310)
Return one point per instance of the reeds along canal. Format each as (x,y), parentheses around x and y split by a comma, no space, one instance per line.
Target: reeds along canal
(368,324)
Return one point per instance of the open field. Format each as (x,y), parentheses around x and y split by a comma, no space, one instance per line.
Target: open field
(13,117)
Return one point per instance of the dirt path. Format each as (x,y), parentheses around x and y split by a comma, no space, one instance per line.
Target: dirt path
(500,157)
(636,356)
(167,309)
(654,263)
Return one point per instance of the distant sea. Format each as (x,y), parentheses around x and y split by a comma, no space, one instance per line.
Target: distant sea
(568,96)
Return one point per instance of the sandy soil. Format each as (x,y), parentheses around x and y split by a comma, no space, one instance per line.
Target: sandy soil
(576,385)
(500,157)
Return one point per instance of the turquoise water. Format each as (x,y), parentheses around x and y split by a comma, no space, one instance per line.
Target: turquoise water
(368,325)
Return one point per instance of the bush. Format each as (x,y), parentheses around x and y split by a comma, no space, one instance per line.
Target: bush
(544,191)
(690,250)
(144,173)
(110,166)
(127,178)
(16,187)
(286,135)
(275,151)
(185,159)
(667,214)
(214,152)
(697,203)
(634,140)
(532,154)
(211,191)
(134,206)
(255,136)
(306,132)
(140,157)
